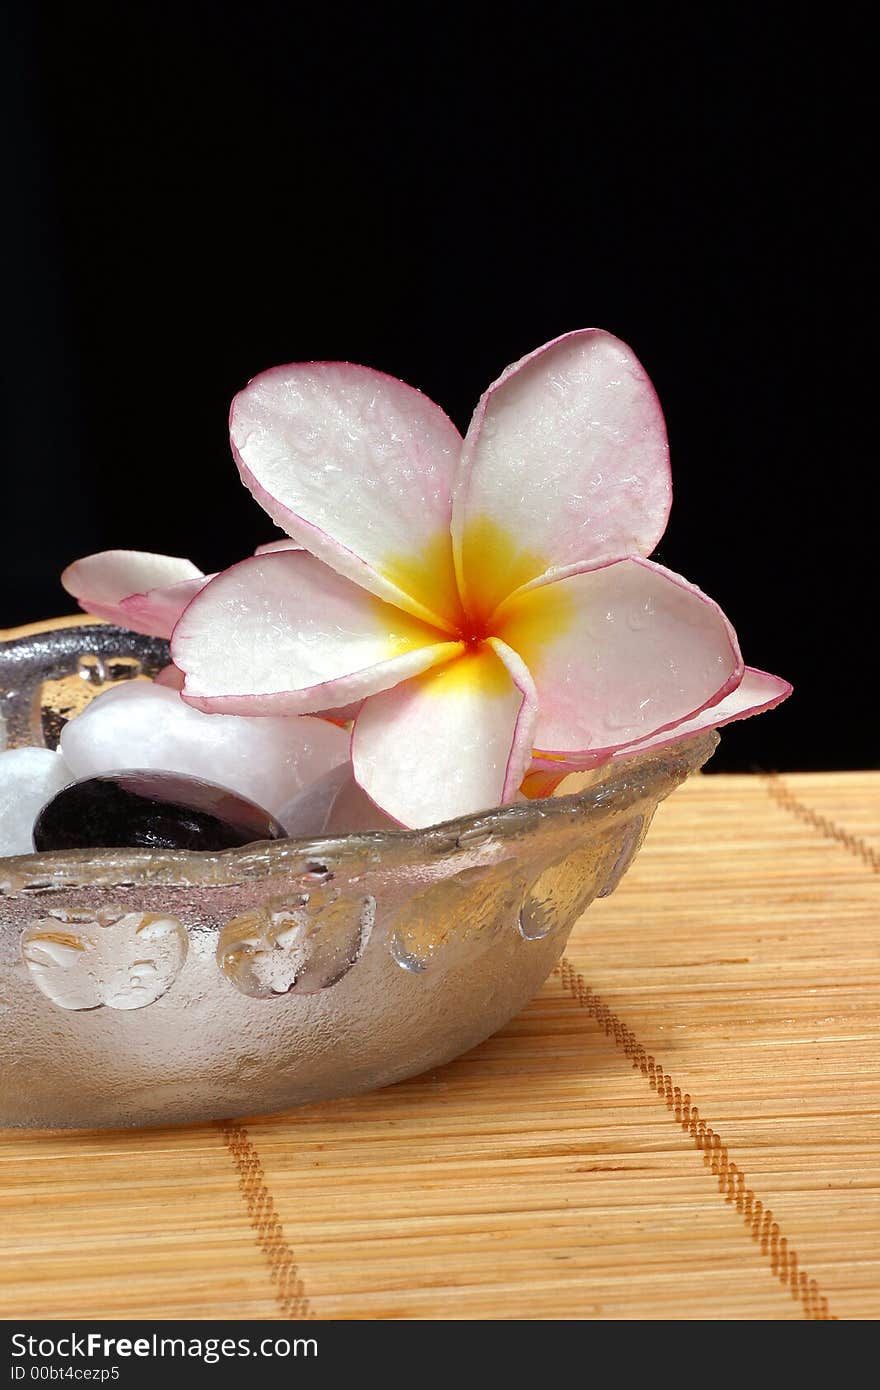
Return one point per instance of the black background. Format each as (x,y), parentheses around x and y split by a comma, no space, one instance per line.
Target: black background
(200,191)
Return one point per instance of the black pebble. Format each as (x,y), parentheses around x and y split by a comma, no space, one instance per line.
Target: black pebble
(140,809)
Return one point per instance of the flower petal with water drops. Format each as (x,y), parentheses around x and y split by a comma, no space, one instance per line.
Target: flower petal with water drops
(285,634)
(358,468)
(757,692)
(618,653)
(452,742)
(565,462)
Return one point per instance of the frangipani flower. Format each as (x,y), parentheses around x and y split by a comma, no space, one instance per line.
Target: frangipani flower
(474,602)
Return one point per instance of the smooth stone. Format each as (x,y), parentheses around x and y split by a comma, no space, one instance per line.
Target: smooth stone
(144,809)
(268,759)
(334,805)
(29,777)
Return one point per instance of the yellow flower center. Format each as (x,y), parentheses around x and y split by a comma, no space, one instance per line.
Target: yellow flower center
(469,603)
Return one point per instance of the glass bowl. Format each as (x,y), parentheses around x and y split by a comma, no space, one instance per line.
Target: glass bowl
(145,988)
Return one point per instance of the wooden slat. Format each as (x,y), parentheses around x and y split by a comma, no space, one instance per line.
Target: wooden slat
(117,1225)
(707,1056)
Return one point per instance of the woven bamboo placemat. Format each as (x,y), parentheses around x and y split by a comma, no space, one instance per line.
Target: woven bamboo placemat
(683,1124)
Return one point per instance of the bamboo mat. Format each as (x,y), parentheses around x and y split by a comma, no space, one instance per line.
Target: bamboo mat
(683,1124)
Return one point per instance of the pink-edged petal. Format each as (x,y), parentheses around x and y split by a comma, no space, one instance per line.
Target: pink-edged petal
(285,634)
(565,462)
(110,575)
(757,692)
(358,468)
(270,547)
(520,754)
(619,653)
(141,724)
(344,714)
(159,610)
(451,742)
(134,588)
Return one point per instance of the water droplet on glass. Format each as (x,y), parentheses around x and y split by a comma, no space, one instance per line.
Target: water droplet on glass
(474,838)
(458,917)
(407,960)
(96,669)
(88,960)
(561,893)
(91,668)
(536,919)
(297,946)
(633,834)
(315,874)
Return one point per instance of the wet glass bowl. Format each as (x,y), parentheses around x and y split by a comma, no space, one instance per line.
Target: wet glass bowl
(145,988)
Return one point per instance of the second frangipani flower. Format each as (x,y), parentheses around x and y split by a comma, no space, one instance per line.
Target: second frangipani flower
(481,602)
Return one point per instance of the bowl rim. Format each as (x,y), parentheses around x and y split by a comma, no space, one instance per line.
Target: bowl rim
(612,788)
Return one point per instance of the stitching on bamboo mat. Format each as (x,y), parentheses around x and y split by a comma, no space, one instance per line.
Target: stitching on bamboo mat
(290,1294)
(758,1218)
(784,1262)
(786,798)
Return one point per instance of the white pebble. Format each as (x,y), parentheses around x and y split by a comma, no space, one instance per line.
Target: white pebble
(267,759)
(29,777)
(335,805)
